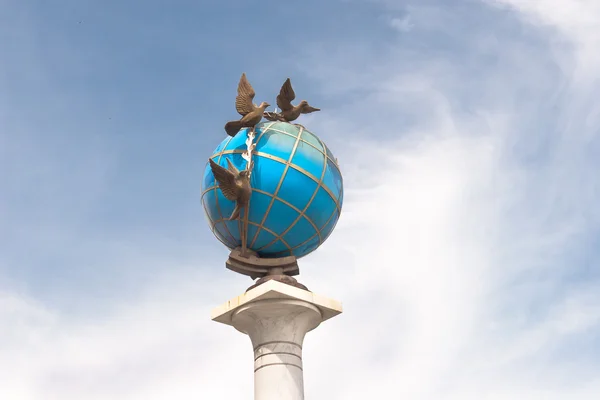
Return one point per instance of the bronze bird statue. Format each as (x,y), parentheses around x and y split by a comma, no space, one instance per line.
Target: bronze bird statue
(289,112)
(250,112)
(234,184)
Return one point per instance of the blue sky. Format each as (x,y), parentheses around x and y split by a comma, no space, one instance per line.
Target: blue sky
(466,256)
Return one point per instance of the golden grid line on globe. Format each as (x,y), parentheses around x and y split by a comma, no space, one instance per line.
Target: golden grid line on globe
(277,237)
(281,160)
(302,213)
(274,196)
(213,226)
(290,249)
(281,178)
(311,145)
(217,194)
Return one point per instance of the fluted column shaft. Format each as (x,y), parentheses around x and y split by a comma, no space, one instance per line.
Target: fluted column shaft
(277,328)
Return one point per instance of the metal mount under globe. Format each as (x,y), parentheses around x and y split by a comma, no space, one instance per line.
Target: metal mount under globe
(281,269)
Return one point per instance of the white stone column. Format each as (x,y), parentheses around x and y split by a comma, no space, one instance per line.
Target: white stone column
(276,317)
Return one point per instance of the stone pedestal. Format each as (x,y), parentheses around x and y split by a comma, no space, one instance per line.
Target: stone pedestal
(276,317)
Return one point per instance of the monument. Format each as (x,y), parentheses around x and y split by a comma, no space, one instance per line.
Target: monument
(273,193)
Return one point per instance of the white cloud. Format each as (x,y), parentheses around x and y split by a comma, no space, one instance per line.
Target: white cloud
(403,24)
(576,21)
(450,260)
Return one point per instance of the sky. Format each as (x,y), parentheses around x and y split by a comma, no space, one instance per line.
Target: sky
(466,256)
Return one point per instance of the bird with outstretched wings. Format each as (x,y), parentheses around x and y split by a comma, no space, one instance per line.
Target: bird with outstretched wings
(289,112)
(244,105)
(234,184)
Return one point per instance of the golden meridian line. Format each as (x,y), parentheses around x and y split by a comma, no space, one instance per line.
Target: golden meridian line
(247,208)
(223,151)
(306,142)
(318,232)
(334,162)
(338,211)
(303,212)
(243,226)
(264,228)
(327,223)
(305,172)
(287,166)
(287,203)
(309,175)
(293,207)
(324,151)
(213,227)
(209,189)
(293,166)
(217,157)
(274,196)
(217,196)
(210,221)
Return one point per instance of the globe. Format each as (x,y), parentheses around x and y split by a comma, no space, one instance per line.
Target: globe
(297,192)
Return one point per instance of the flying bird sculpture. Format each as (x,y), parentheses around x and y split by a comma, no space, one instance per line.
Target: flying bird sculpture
(234,184)
(250,112)
(289,112)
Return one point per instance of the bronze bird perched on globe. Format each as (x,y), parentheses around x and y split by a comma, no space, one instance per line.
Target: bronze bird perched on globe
(289,112)
(234,184)
(250,112)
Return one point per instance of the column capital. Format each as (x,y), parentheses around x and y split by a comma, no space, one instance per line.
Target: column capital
(276,317)
(270,290)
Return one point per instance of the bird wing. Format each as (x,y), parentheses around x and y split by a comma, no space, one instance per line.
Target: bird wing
(232,168)
(286,96)
(307,109)
(243,101)
(226,180)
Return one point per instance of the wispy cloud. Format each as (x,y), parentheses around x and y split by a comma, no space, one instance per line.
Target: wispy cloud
(403,24)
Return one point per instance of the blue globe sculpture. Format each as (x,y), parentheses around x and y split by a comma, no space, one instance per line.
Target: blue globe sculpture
(297,192)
